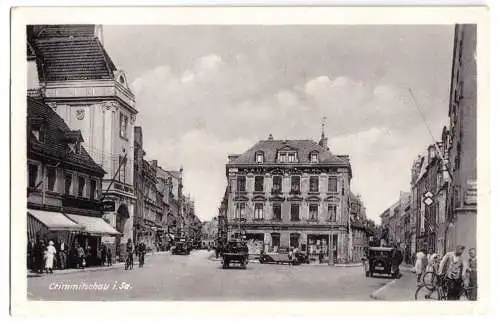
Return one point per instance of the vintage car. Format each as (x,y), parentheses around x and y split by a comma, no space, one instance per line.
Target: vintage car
(235,252)
(181,248)
(379,261)
(282,257)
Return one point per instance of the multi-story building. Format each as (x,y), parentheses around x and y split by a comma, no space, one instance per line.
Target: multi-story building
(291,193)
(462,217)
(359,230)
(80,82)
(64,184)
(149,206)
(209,233)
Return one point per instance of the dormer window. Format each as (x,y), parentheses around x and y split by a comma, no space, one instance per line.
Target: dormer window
(259,157)
(75,147)
(288,157)
(39,133)
(314,157)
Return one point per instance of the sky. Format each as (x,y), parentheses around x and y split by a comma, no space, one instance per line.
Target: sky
(204,92)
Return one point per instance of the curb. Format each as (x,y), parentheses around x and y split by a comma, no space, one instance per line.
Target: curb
(375,295)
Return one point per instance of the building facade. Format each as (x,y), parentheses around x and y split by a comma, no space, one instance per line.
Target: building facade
(291,193)
(80,82)
(64,187)
(209,231)
(462,218)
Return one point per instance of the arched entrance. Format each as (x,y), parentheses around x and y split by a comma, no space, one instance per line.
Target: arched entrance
(122,215)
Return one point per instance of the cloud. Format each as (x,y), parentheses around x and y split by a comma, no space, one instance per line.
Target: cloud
(198,115)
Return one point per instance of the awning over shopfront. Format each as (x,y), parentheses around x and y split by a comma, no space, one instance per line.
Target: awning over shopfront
(53,221)
(94,225)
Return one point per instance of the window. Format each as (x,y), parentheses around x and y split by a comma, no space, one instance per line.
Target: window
(276,184)
(295,184)
(259,211)
(241,183)
(294,212)
(291,158)
(282,157)
(259,157)
(294,240)
(275,240)
(68,184)
(123,125)
(81,186)
(93,189)
(32,175)
(51,178)
(313,212)
(259,183)
(314,184)
(240,210)
(277,211)
(314,157)
(39,133)
(123,168)
(332,184)
(332,213)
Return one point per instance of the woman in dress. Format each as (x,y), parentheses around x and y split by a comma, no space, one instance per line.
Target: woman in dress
(420,264)
(50,254)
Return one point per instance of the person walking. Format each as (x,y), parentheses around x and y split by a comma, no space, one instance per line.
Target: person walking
(109,256)
(472,274)
(31,255)
(397,259)
(453,270)
(81,257)
(63,255)
(50,255)
(103,253)
(129,263)
(141,249)
(40,258)
(420,264)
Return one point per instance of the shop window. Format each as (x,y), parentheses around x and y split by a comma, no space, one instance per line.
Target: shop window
(275,240)
(332,184)
(81,186)
(294,240)
(68,184)
(295,184)
(276,184)
(259,211)
(314,184)
(294,212)
(277,211)
(32,175)
(259,183)
(313,212)
(241,183)
(51,178)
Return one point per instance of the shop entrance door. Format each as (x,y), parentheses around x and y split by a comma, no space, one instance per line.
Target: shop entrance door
(318,248)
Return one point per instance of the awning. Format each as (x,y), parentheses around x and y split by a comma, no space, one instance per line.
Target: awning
(94,225)
(54,221)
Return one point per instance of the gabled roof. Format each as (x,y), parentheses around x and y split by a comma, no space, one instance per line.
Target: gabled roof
(304,149)
(55,144)
(73,58)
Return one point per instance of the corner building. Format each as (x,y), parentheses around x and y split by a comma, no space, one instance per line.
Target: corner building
(80,82)
(291,193)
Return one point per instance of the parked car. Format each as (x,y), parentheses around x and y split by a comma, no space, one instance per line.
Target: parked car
(380,261)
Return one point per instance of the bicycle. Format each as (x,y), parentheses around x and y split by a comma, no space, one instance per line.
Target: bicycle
(434,287)
(129,263)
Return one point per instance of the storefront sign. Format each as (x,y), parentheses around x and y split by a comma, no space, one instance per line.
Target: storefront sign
(470,196)
(108,206)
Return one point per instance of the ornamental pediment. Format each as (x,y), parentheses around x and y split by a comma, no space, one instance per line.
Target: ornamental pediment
(259,198)
(241,198)
(313,198)
(333,199)
(294,198)
(276,198)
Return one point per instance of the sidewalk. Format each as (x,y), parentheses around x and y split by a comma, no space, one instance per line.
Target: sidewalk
(93,268)
(402,289)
